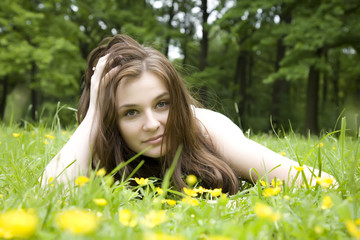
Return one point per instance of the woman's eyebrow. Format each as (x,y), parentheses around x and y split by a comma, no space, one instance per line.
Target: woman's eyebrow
(132,105)
(162,95)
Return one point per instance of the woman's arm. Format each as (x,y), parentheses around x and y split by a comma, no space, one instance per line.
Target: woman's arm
(243,154)
(79,146)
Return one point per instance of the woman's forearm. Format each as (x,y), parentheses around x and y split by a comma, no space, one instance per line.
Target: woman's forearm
(77,150)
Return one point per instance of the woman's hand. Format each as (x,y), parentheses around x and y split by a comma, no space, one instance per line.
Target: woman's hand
(96,83)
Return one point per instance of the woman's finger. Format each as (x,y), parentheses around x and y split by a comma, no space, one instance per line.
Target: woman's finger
(109,75)
(98,70)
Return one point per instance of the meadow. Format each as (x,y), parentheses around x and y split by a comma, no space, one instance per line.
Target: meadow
(97,207)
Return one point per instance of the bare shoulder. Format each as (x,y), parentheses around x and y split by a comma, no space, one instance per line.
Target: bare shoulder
(217,124)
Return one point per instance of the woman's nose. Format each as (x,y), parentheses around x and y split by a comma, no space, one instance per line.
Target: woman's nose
(151,122)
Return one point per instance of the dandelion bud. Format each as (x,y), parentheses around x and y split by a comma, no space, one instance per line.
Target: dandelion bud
(191,180)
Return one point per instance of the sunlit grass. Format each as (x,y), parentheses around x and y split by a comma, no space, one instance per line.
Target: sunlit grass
(97,207)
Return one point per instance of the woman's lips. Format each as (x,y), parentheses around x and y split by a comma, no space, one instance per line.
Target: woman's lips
(155,140)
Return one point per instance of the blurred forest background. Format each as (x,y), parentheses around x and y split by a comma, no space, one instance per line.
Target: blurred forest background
(261,62)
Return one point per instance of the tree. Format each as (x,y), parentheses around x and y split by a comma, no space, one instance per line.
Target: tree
(48,43)
(37,50)
(316,29)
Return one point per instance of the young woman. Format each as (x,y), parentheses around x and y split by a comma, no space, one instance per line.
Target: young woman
(134,99)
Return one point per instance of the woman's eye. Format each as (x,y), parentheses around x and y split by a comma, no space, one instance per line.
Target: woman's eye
(131,113)
(162,104)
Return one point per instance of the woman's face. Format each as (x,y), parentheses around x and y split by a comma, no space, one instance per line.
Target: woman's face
(143,108)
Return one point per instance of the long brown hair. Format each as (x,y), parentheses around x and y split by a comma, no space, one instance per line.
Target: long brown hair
(198,155)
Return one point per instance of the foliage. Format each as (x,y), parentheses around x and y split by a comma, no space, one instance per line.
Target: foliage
(259,56)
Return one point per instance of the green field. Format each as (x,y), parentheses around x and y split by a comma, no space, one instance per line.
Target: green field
(97,208)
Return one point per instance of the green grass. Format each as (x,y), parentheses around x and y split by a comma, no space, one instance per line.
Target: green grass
(299,209)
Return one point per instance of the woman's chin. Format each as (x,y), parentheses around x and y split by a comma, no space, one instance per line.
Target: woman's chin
(154,152)
(153,155)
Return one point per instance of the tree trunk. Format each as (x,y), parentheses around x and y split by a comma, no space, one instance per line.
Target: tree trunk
(34,93)
(280,99)
(188,34)
(312,96)
(204,42)
(325,84)
(3,98)
(249,81)
(280,92)
(240,80)
(185,53)
(169,27)
(324,91)
(335,81)
(205,35)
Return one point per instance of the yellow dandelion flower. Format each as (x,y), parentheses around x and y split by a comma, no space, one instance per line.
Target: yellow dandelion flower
(100,201)
(51,179)
(46,142)
(264,211)
(333,148)
(16,135)
(141,181)
(1,196)
(283,154)
(327,203)
(159,190)
(127,218)
(191,180)
(101,172)
(201,190)
(215,192)
(263,183)
(81,180)
(277,183)
(162,236)
(77,221)
(169,201)
(320,145)
(190,192)
(191,201)
(324,182)
(154,218)
(357,221)
(352,228)
(268,192)
(49,136)
(19,223)
(299,168)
